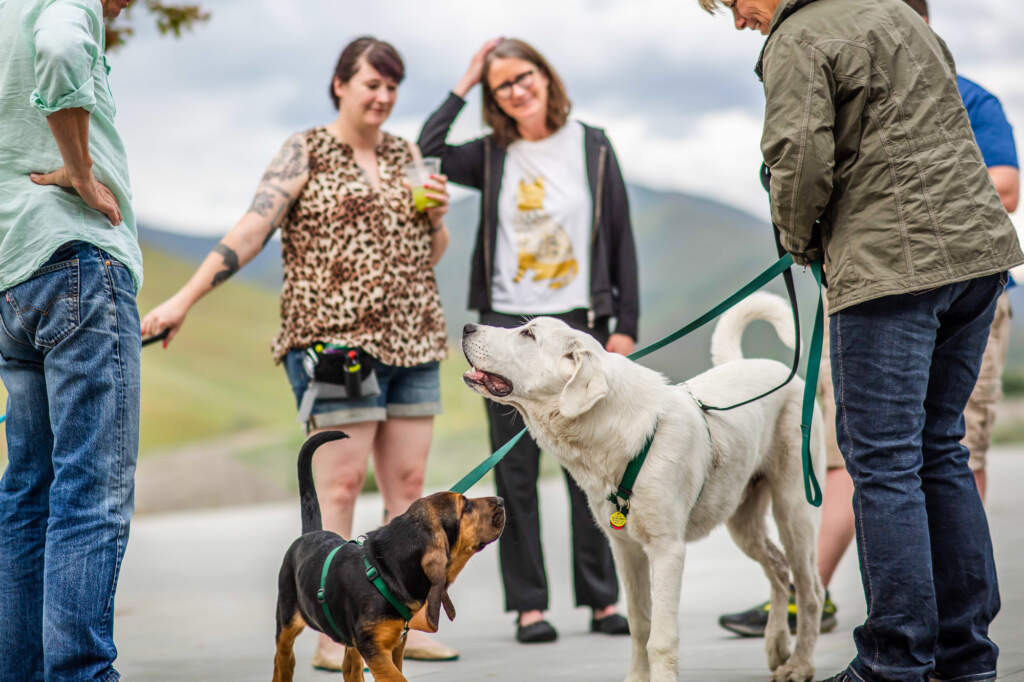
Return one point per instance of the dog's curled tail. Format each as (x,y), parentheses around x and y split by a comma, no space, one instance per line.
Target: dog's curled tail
(725,341)
(309,504)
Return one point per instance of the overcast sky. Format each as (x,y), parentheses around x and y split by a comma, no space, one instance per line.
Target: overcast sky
(673,87)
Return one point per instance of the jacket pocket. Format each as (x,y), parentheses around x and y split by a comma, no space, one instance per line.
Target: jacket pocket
(47,306)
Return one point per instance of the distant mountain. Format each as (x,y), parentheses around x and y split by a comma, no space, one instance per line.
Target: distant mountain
(693,251)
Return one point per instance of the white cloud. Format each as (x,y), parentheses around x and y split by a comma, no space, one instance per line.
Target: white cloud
(673,87)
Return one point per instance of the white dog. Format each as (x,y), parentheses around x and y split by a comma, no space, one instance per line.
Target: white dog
(594,411)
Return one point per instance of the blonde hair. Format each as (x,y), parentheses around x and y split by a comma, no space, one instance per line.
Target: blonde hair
(709,6)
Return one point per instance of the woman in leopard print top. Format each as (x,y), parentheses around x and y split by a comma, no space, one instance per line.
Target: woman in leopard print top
(358,272)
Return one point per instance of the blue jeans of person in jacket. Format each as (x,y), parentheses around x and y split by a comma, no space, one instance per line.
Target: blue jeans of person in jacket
(903,367)
(70,346)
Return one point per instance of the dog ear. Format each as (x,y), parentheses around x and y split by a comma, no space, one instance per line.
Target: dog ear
(585,387)
(449,607)
(435,567)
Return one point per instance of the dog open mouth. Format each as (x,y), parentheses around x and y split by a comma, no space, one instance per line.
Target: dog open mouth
(495,384)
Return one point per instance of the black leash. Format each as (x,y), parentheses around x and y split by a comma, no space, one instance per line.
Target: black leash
(156,337)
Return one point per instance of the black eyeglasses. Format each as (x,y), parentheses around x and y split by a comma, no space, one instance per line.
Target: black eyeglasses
(523,80)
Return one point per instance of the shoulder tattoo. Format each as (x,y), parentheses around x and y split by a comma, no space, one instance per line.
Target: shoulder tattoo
(290,162)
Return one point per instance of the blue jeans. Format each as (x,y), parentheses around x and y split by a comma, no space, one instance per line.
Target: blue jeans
(903,368)
(70,347)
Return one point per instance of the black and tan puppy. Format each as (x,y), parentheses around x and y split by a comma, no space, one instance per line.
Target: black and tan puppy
(418,554)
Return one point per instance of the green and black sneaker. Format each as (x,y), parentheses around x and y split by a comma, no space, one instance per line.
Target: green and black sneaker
(752,622)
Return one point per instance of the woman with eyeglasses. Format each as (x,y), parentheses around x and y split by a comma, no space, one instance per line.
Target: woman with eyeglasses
(554,238)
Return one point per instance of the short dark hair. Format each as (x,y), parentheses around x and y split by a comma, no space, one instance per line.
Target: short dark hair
(503,125)
(919,6)
(379,54)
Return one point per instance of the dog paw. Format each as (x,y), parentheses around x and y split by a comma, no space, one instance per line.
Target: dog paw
(793,672)
(777,649)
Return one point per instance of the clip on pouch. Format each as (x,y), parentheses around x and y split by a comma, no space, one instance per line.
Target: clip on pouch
(339,372)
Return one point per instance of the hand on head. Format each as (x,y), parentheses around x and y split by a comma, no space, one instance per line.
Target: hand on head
(476,67)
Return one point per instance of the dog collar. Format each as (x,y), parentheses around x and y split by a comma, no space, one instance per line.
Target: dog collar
(617,521)
(372,575)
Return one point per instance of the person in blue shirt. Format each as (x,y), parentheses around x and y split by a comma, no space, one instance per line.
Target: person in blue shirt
(994,136)
(995,140)
(992,132)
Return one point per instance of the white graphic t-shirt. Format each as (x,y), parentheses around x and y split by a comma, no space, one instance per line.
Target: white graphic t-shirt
(542,259)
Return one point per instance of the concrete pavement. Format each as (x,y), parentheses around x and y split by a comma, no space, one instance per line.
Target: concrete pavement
(197,594)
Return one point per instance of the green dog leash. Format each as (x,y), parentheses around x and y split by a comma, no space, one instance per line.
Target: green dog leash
(812,490)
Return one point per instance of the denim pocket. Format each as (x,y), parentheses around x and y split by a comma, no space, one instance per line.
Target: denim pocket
(47,305)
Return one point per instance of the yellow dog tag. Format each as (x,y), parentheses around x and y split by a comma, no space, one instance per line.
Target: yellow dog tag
(617,521)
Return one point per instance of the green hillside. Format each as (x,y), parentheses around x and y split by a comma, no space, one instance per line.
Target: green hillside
(217,378)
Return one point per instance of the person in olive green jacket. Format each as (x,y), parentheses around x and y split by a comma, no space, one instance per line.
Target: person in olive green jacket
(875,170)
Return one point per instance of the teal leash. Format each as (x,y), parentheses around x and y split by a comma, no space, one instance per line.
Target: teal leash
(777,268)
(470,479)
(811,489)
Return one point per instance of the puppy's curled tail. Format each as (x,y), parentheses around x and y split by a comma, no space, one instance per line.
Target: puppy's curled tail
(725,341)
(309,504)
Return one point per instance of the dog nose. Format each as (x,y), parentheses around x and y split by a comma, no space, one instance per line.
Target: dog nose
(499,502)
(468,329)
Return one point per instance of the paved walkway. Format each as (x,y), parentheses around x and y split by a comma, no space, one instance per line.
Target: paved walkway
(197,595)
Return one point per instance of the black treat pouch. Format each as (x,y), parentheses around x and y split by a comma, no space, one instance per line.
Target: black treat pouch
(341,366)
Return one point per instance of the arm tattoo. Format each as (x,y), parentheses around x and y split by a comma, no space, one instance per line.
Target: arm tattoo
(291,161)
(262,203)
(230,263)
(266,204)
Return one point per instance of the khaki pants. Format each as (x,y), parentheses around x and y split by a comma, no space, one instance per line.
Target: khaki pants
(980,413)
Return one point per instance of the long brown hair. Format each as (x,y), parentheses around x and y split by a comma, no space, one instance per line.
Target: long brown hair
(504,126)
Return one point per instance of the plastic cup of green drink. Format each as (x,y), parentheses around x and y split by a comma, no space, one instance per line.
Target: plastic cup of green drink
(418,172)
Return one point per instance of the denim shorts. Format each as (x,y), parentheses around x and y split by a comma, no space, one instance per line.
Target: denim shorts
(404,392)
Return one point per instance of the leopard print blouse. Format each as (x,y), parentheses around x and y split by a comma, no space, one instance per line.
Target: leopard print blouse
(357,262)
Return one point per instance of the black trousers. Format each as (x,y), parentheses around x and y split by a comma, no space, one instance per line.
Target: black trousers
(519,548)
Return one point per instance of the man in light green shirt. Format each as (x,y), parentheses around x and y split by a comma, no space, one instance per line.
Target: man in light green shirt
(70,268)
(53,85)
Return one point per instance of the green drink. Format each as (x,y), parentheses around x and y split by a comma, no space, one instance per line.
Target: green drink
(420,199)
(418,172)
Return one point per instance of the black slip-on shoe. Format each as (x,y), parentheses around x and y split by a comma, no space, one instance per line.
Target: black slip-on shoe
(614,624)
(534,633)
